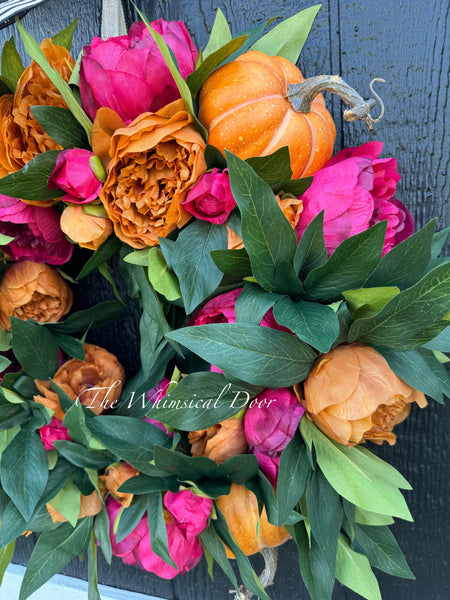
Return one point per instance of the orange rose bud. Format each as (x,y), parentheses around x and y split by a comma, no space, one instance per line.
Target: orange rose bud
(23,138)
(95,381)
(153,162)
(352,395)
(114,478)
(88,231)
(219,442)
(89,506)
(30,290)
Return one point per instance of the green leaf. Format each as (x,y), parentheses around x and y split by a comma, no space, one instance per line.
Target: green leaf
(267,234)
(233,262)
(67,502)
(353,570)
(296,187)
(214,158)
(287,38)
(52,552)
(311,252)
(129,518)
(272,168)
(293,473)
(138,257)
(64,37)
(151,303)
(109,248)
(255,354)
(130,439)
(157,528)
(441,342)
(36,53)
(93,593)
(4,240)
(30,183)
(253,303)
(406,263)
(142,484)
(101,530)
(408,313)
(196,79)
(60,124)
(24,468)
(315,324)
(414,370)
(366,302)
(219,36)
(197,274)
(366,517)
(35,348)
(213,544)
(438,242)
(12,66)
(71,346)
(348,267)
(316,574)
(163,281)
(199,401)
(4,363)
(382,550)
(83,457)
(435,362)
(358,475)
(6,555)
(286,280)
(96,316)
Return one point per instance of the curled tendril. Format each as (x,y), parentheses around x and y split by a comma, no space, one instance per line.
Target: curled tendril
(377,97)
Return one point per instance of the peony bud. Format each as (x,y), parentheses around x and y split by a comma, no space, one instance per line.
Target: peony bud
(74,175)
(86,230)
(210,199)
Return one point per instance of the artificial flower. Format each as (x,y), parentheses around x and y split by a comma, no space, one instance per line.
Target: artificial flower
(113,479)
(219,442)
(210,199)
(270,422)
(23,138)
(36,232)
(154,396)
(128,73)
(87,230)
(90,506)
(31,290)
(355,189)
(152,164)
(96,382)
(188,511)
(352,395)
(73,174)
(52,432)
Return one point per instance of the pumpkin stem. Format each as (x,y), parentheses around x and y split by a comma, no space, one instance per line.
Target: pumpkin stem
(267,576)
(302,94)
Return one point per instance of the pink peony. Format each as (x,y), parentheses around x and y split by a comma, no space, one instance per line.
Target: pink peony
(189,512)
(355,189)
(55,430)
(74,175)
(210,199)
(155,395)
(128,73)
(270,423)
(36,231)
(136,548)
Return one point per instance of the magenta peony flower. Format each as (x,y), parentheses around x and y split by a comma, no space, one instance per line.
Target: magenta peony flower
(269,426)
(55,430)
(210,199)
(36,232)
(136,549)
(74,175)
(189,512)
(355,189)
(128,74)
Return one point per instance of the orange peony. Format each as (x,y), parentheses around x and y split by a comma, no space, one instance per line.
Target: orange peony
(152,163)
(114,478)
(30,290)
(352,395)
(86,230)
(95,381)
(219,442)
(22,137)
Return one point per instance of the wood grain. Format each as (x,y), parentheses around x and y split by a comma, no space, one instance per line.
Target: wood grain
(406,43)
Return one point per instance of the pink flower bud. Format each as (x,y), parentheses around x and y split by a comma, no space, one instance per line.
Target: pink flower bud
(189,512)
(210,199)
(74,175)
(55,430)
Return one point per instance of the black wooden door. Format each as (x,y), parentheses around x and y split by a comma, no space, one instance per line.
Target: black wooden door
(406,43)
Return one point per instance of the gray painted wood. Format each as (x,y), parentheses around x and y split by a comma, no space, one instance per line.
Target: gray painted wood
(405,42)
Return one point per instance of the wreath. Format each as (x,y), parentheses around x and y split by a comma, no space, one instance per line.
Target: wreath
(289,313)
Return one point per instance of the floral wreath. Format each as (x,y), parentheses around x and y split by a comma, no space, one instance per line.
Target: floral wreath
(289,313)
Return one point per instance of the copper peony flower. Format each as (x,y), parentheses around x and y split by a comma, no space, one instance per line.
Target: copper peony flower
(30,290)
(87,230)
(95,381)
(115,476)
(89,506)
(152,164)
(219,442)
(23,138)
(352,395)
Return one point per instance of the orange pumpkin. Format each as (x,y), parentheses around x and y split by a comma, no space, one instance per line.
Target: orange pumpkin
(243,105)
(240,509)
